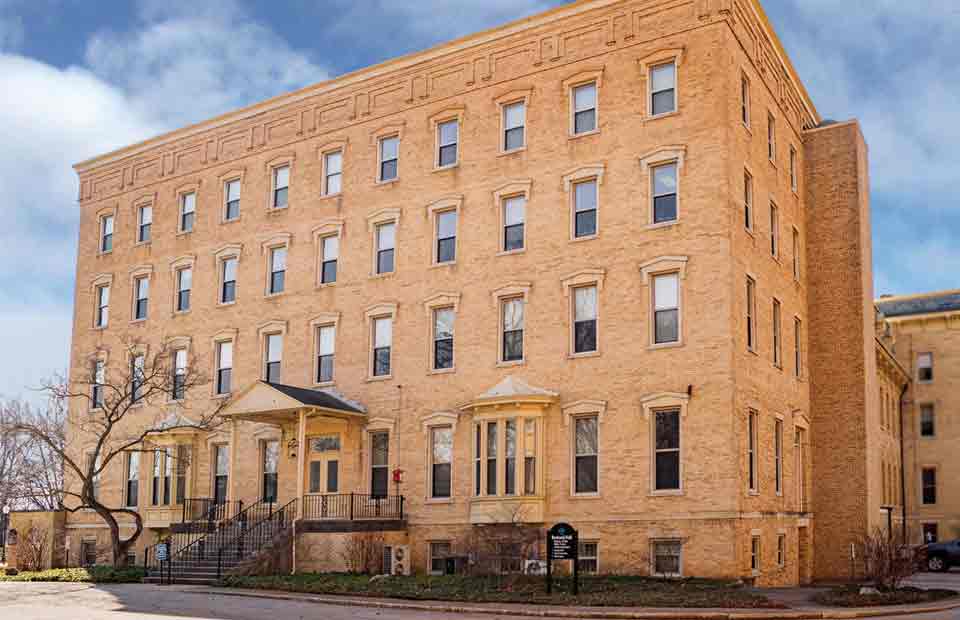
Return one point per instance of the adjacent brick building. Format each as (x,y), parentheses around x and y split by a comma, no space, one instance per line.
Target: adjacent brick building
(604,265)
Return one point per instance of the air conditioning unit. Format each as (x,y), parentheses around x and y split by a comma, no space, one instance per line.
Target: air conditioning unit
(396,560)
(534,567)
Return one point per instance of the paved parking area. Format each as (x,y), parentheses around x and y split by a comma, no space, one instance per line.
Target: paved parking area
(949,580)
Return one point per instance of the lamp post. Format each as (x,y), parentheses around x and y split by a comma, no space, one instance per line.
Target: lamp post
(4,524)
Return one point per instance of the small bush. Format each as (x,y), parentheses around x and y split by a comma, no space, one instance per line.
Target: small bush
(10,572)
(94,574)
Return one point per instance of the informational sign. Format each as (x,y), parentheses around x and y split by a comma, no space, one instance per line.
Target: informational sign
(163,552)
(563,543)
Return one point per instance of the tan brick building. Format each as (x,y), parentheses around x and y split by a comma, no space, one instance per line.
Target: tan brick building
(923,332)
(603,265)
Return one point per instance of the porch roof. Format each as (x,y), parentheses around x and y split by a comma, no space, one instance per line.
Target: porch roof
(512,391)
(276,402)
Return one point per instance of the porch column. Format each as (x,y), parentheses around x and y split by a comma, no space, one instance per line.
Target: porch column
(301,448)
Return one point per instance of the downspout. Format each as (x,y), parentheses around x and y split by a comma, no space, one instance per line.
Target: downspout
(903,479)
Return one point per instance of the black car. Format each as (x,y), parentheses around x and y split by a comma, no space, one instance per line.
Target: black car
(940,556)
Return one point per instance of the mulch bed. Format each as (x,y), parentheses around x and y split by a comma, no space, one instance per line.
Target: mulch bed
(850,596)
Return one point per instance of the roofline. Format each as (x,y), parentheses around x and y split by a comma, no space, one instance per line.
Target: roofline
(576,7)
(892,358)
(881,300)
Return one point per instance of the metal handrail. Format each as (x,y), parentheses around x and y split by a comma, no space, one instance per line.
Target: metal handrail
(252,540)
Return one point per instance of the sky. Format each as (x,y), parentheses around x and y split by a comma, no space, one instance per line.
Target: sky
(80,78)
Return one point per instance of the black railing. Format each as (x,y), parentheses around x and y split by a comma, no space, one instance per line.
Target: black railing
(195,548)
(252,540)
(352,507)
(206,509)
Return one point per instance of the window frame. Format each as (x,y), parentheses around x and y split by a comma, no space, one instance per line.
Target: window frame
(924,486)
(434,340)
(654,413)
(433,304)
(432,463)
(776,328)
(745,100)
(753,458)
(653,556)
(748,200)
(591,173)
(751,314)
(793,165)
(374,314)
(179,307)
(144,229)
(263,447)
(326,175)
(439,145)
(595,558)
(774,231)
(505,129)
(178,380)
(105,239)
(276,286)
(101,309)
(140,280)
(221,257)
(771,138)
(920,367)
(131,469)
(575,455)
(512,190)
(798,347)
(219,367)
(592,277)
(182,213)
(431,558)
(381,161)
(377,250)
(675,164)
(265,364)
(435,211)
(651,68)
(98,382)
(502,303)
(924,407)
(654,277)
(778,456)
(227,182)
(275,188)
(572,94)
(756,550)
(317,325)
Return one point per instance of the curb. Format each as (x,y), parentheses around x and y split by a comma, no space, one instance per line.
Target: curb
(574,612)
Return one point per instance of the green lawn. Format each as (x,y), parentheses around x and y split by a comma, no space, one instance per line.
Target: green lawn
(595,590)
(95,574)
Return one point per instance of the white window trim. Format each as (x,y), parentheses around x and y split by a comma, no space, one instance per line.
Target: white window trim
(102,214)
(330,227)
(379,425)
(924,381)
(224,335)
(282,240)
(434,421)
(145,201)
(578,279)
(753,456)
(647,64)
(750,207)
(752,347)
(220,255)
(776,331)
(771,141)
(186,261)
(440,301)
(775,249)
(101,280)
(394,130)
(573,452)
(520,95)
(651,405)
(327,149)
(452,203)
(581,78)
(512,189)
(284,160)
(749,103)
(381,311)
(324,319)
(653,557)
(236,174)
(511,290)
(180,193)
(669,154)
(664,265)
(140,272)
(582,174)
(270,328)
(374,220)
(454,113)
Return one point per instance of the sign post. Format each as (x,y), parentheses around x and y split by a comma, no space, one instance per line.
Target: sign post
(563,543)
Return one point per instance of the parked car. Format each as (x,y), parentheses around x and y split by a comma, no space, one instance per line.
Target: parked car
(940,556)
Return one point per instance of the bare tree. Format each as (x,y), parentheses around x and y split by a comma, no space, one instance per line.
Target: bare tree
(31,473)
(887,561)
(110,415)
(32,548)
(12,448)
(362,553)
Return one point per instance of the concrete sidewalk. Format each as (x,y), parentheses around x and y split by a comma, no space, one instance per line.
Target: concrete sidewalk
(798,599)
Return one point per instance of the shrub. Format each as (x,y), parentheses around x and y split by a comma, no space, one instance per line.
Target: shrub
(94,574)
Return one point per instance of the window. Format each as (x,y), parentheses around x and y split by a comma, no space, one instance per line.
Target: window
(793,168)
(751,314)
(183,458)
(514,126)
(585,108)
(797,347)
(664,193)
(103,306)
(745,101)
(477,458)
(586,449)
(231,192)
(801,470)
(188,211)
(132,492)
(332,172)
(448,134)
(89,462)
(588,557)
(137,377)
(382,345)
(747,200)
(274,358)
(755,554)
(510,457)
(221,468)
(380,463)
(326,350)
(224,366)
(929,485)
(88,552)
(667,450)
(106,233)
(781,549)
(663,93)
(184,284)
(281,187)
(585,319)
(228,288)
(512,327)
(927,421)
(585,208)
(752,476)
(443,319)
(144,223)
(389,158)
(771,138)
(330,253)
(278,270)
(492,444)
(179,374)
(925,367)
(777,353)
(439,552)
(386,243)
(514,214)
(446,236)
(99,378)
(530,457)
(270,458)
(666,557)
(778,455)
(160,487)
(142,297)
(796,254)
(441,441)
(930,533)
(666,308)
(774,231)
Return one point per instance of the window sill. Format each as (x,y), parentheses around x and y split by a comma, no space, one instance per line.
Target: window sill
(135,321)
(439,501)
(221,396)
(512,151)
(502,364)
(575,136)
(772,162)
(585,238)
(330,196)
(380,378)
(183,233)
(576,356)
(777,367)
(659,225)
(656,117)
(140,244)
(753,493)
(321,285)
(449,263)
(226,304)
(274,295)
(99,328)
(232,220)
(666,493)
(665,345)
(324,384)
(511,252)
(445,168)
(177,313)
(796,192)
(277,210)
(441,371)
(382,276)
(746,126)
(586,496)
(381,182)
(752,351)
